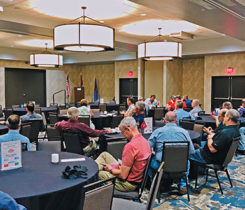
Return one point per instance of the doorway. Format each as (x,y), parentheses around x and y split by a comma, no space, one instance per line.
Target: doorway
(24,85)
(228,89)
(128,88)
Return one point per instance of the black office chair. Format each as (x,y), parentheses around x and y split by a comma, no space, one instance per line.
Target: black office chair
(116,121)
(98,195)
(53,118)
(25,130)
(53,134)
(102,107)
(124,204)
(220,167)
(50,146)
(136,195)
(175,157)
(158,113)
(201,113)
(187,124)
(115,148)
(84,119)
(36,126)
(72,142)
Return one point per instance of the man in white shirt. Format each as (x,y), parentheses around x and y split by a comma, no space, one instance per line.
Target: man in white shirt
(129,112)
(196,107)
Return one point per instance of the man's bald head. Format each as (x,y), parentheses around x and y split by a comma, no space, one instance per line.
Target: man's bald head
(170,117)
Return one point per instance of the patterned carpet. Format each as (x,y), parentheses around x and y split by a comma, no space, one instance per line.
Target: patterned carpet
(210,196)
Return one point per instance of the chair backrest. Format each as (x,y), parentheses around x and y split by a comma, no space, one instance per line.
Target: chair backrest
(145,175)
(51,146)
(175,156)
(158,113)
(72,142)
(37,110)
(84,119)
(154,187)
(116,121)
(1,111)
(102,107)
(63,111)
(186,124)
(53,134)
(7,113)
(25,130)
(53,118)
(231,151)
(198,128)
(95,110)
(35,127)
(98,195)
(201,113)
(115,147)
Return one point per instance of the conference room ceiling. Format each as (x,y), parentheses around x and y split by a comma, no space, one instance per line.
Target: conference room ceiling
(28,24)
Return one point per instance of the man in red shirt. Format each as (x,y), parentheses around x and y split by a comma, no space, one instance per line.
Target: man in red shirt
(73,125)
(130,172)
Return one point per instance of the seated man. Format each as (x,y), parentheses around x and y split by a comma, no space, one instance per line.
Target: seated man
(31,115)
(139,112)
(13,123)
(180,113)
(84,131)
(130,103)
(242,108)
(196,108)
(170,132)
(151,101)
(8,203)
(187,101)
(129,173)
(218,145)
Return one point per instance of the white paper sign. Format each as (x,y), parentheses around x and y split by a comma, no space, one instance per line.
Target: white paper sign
(10,155)
(147,125)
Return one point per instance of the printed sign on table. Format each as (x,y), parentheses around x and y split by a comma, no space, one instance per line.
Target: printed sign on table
(10,155)
(147,125)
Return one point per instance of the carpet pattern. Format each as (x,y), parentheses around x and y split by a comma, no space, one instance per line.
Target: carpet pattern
(210,196)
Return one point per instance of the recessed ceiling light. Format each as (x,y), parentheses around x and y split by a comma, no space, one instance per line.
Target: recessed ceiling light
(102,21)
(20,35)
(97,9)
(142,14)
(1,8)
(148,27)
(223,35)
(11,45)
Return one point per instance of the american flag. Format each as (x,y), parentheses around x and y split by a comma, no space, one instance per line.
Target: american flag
(67,86)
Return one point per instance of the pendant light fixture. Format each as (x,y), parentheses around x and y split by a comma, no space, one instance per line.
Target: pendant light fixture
(159,50)
(46,59)
(84,37)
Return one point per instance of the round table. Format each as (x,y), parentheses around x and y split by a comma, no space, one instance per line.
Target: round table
(3,129)
(39,184)
(206,120)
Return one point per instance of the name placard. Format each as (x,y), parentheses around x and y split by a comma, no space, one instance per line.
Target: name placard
(147,125)
(10,155)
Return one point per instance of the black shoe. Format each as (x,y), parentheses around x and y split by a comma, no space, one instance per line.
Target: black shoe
(241,152)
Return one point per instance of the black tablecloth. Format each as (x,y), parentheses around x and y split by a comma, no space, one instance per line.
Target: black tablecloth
(39,184)
(206,120)
(3,129)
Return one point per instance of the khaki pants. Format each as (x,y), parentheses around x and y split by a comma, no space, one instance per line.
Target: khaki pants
(106,158)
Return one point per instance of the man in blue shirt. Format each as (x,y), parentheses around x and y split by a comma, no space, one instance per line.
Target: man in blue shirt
(13,123)
(181,113)
(170,132)
(7,202)
(30,113)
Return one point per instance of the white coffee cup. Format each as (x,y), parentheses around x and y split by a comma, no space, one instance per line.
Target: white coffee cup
(54,158)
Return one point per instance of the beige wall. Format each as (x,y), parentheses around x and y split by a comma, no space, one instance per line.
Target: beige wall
(154,79)
(193,79)
(105,78)
(215,65)
(121,71)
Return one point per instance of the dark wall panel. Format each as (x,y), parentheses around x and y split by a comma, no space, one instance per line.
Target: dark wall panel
(24,85)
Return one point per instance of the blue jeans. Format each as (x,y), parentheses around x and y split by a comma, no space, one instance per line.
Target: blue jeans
(241,145)
(196,156)
(155,165)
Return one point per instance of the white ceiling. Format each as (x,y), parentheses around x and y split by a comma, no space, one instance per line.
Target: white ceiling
(23,24)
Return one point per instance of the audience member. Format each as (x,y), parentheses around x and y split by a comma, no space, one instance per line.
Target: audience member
(170,132)
(151,101)
(217,147)
(130,103)
(178,97)
(227,105)
(13,124)
(85,110)
(8,203)
(242,108)
(129,173)
(196,108)
(187,101)
(84,131)
(30,113)
(181,113)
(171,103)
(139,112)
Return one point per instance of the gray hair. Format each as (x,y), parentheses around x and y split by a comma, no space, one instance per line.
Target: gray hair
(233,115)
(170,116)
(128,122)
(73,112)
(195,101)
(140,105)
(227,105)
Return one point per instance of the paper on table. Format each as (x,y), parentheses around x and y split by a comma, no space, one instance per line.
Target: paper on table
(72,160)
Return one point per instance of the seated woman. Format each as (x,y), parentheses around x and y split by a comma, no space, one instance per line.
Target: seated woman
(139,112)
(85,110)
